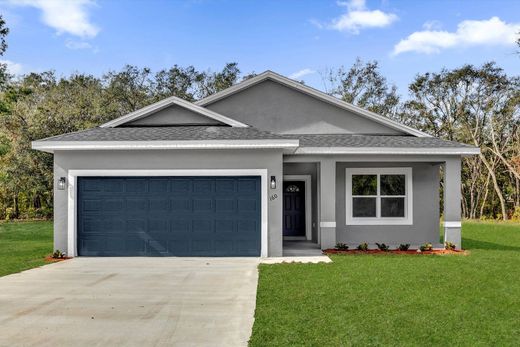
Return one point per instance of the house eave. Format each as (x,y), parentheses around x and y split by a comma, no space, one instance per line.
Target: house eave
(462,151)
(51,146)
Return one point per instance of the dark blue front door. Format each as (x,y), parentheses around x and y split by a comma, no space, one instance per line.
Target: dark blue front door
(169,216)
(294,208)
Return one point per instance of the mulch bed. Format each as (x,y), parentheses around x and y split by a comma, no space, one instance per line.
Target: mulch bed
(50,259)
(377,251)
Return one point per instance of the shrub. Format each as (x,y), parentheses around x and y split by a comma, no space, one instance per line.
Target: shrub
(57,254)
(362,247)
(516,214)
(426,247)
(341,246)
(450,246)
(9,213)
(404,246)
(383,247)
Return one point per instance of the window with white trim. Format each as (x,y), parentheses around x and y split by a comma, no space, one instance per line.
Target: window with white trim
(379,196)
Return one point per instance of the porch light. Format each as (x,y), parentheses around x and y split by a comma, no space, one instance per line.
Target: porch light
(273,182)
(62,183)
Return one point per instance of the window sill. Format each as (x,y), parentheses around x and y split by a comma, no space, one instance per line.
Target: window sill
(379,221)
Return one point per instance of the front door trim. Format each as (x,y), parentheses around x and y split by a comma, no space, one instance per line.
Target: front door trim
(72,193)
(308,200)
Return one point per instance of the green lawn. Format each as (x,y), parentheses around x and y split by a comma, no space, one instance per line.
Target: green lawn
(400,300)
(23,245)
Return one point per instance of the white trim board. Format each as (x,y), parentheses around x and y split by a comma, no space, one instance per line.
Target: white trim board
(308,200)
(389,150)
(270,75)
(51,146)
(173,100)
(408,217)
(72,193)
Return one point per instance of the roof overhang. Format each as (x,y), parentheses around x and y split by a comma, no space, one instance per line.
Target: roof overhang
(463,151)
(173,100)
(270,75)
(51,146)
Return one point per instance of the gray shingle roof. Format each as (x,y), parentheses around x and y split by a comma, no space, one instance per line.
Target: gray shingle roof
(348,140)
(180,133)
(201,133)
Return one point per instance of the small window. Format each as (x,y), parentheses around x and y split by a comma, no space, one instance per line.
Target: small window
(292,189)
(377,196)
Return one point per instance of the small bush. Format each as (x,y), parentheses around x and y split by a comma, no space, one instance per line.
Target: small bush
(363,247)
(404,246)
(9,214)
(57,254)
(450,246)
(426,247)
(383,247)
(341,246)
(516,214)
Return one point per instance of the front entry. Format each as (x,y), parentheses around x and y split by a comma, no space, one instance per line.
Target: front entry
(294,208)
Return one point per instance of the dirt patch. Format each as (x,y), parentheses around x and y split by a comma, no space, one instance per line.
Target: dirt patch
(410,252)
(50,259)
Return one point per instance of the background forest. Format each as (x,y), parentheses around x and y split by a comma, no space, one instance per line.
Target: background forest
(478,105)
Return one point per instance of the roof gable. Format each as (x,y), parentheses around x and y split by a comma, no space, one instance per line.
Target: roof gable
(158,112)
(358,112)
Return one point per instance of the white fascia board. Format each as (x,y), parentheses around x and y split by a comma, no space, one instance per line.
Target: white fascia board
(389,150)
(51,146)
(173,100)
(314,93)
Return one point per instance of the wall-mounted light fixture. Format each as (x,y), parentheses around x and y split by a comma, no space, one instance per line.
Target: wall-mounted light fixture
(62,183)
(273,182)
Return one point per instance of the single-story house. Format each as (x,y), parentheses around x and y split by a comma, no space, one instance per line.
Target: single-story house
(237,173)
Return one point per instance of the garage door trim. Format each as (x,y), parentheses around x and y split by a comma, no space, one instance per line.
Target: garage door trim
(73,174)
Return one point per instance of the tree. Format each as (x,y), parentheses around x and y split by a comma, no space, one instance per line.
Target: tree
(4,30)
(363,85)
(213,82)
(477,105)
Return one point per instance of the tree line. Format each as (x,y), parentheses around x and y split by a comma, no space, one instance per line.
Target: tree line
(478,105)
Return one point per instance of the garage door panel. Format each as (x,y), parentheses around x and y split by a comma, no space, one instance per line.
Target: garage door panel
(169,216)
(113,205)
(159,204)
(225,226)
(225,205)
(202,205)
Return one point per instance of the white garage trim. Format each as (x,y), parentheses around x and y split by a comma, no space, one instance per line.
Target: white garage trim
(72,192)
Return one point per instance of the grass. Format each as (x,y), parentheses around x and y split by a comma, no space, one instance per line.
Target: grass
(400,300)
(23,245)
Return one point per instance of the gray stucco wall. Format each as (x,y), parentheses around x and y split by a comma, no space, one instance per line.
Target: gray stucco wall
(174,115)
(171,159)
(307,169)
(425,227)
(277,108)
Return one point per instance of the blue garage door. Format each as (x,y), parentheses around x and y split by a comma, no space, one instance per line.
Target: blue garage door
(169,216)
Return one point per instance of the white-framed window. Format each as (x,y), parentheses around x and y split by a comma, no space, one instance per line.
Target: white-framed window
(379,196)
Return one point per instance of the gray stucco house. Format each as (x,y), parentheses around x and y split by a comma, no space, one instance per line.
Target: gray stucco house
(238,172)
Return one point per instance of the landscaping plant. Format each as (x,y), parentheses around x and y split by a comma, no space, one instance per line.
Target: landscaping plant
(450,246)
(363,247)
(341,246)
(57,254)
(404,246)
(383,247)
(426,247)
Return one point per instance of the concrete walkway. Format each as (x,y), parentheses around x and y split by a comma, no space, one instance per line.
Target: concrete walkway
(130,302)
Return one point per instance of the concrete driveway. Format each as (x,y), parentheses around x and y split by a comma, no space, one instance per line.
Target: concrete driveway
(130,302)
